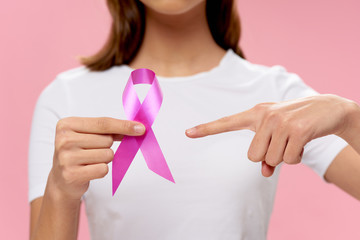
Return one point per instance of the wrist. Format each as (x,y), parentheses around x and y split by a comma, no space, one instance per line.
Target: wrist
(56,194)
(59,214)
(352,123)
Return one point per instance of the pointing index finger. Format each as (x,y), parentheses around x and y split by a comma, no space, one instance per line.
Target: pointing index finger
(238,121)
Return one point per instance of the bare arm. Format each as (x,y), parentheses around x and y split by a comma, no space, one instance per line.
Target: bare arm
(35,206)
(344,171)
(54,215)
(352,130)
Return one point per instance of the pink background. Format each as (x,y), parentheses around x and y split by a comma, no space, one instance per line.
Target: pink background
(319,40)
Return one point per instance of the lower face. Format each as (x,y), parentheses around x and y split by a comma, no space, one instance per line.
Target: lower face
(171,7)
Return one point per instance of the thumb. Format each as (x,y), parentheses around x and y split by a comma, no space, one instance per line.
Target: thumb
(238,121)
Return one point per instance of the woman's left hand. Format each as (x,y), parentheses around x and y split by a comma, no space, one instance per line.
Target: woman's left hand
(283,128)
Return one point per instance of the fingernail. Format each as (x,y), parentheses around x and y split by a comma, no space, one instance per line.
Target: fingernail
(191,131)
(139,128)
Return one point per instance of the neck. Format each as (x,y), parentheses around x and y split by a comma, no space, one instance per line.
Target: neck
(178,45)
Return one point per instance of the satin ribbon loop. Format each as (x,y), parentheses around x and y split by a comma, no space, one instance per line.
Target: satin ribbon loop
(145,113)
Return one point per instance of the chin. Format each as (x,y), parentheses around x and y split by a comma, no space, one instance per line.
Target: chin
(171,7)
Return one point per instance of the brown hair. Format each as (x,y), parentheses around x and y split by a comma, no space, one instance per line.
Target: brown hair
(128,25)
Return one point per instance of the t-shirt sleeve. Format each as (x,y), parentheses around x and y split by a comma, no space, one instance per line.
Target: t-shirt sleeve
(320,152)
(51,106)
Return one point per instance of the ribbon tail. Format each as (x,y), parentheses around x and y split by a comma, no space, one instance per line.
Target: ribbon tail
(123,157)
(154,157)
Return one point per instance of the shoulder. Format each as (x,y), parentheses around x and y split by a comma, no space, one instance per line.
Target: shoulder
(81,78)
(75,80)
(83,74)
(247,71)
(58,85)
(275,78)
(73,73)
(255,70)
(78,76)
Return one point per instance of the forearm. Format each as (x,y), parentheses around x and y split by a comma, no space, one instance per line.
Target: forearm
(58,217)
(352,131)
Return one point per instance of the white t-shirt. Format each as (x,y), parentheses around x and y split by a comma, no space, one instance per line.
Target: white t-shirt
(219,194)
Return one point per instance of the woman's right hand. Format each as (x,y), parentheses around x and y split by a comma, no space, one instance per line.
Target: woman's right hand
(82,151)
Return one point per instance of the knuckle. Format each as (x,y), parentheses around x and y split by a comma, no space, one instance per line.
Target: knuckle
(271,161)
(61,163)
(250,156)
(63,160)
(59,144)
(297,126)
(288,160)
(102,123)
(258,106)
(253,152)
(108,141)
(64,157)
(272,117)
(69,176)
(127,125)
(62,125)
(284,121)
(109,154)
(262,109)
(253,157)
(300,130)
(261,106)
(62,142)
(103,170)
(281,126)
(291,160)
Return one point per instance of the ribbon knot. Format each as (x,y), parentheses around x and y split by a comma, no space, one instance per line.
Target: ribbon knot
(145,113)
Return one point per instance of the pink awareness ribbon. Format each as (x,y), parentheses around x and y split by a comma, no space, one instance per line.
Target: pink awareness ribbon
(145,113)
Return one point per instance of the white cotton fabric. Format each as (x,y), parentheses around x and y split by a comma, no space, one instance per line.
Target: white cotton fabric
(219,193)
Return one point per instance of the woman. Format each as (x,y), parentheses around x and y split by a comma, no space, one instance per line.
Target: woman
(219,194)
